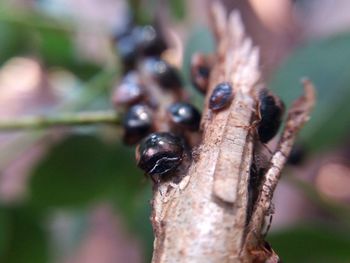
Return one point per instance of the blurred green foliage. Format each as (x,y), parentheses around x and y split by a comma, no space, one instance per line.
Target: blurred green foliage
(4,230)
(26,238)
(326,62)
(144,11)
(82,169)
(312,244)
(177,8)
(33,34)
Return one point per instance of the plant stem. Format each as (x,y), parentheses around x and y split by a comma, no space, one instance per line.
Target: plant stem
(93,88)
(67,119)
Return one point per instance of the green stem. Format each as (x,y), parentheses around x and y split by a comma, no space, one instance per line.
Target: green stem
(93,88)
(67,119)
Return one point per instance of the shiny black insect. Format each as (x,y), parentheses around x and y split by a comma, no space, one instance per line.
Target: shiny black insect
(137,123)
(271,110)
(127,49)
(150,41)
(129,91)
(221,97)
(297,155)
(160,154)
(166,75)
(184,116)
(200,71)
(125,26)
(133,42)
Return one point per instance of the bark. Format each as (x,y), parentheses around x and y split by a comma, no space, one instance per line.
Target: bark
(203,218)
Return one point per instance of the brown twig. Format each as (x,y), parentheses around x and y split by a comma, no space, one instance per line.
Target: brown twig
(198,220)
(297,116)
(202,218)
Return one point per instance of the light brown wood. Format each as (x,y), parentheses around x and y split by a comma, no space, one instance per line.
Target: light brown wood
(203,217)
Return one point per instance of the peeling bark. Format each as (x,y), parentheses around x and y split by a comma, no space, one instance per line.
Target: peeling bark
(203,217)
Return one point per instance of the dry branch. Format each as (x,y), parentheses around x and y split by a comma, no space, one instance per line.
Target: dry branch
(202,218)
(194,221)
(297,116)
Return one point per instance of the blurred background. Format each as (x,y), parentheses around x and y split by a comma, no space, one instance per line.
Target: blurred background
(74,195)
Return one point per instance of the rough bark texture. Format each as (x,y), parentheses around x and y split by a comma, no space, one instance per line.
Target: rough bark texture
(203,217)
(297,116)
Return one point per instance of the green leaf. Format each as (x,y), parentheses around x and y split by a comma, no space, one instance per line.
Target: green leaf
(57,49)
(312,244)
(13,41)
(27,33)
(140,222)
(177,8)
(28,241)
(142,11)
(327,63)
(4,230)
(83,169)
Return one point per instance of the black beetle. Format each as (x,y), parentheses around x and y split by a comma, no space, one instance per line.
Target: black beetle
(271,110)
(150,40)
(297,155)
(200,71)
(166,75)
(185,116)
(221,96)
(160,154)
(137,123)
(129,91)
(126,47)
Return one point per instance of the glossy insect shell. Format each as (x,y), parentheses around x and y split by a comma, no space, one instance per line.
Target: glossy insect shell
(124,27)
(160,153)
(150,40)
(184,116)
(271,112)
(221,96)
(129,91)
(200,71)
(297,155)
(126,47)
(166,75)
(137,123)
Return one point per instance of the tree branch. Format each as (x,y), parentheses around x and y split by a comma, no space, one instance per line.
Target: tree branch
(66,119)
(298,115)
(203,218)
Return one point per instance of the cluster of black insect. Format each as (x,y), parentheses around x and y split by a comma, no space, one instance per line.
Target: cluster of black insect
(160,151)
